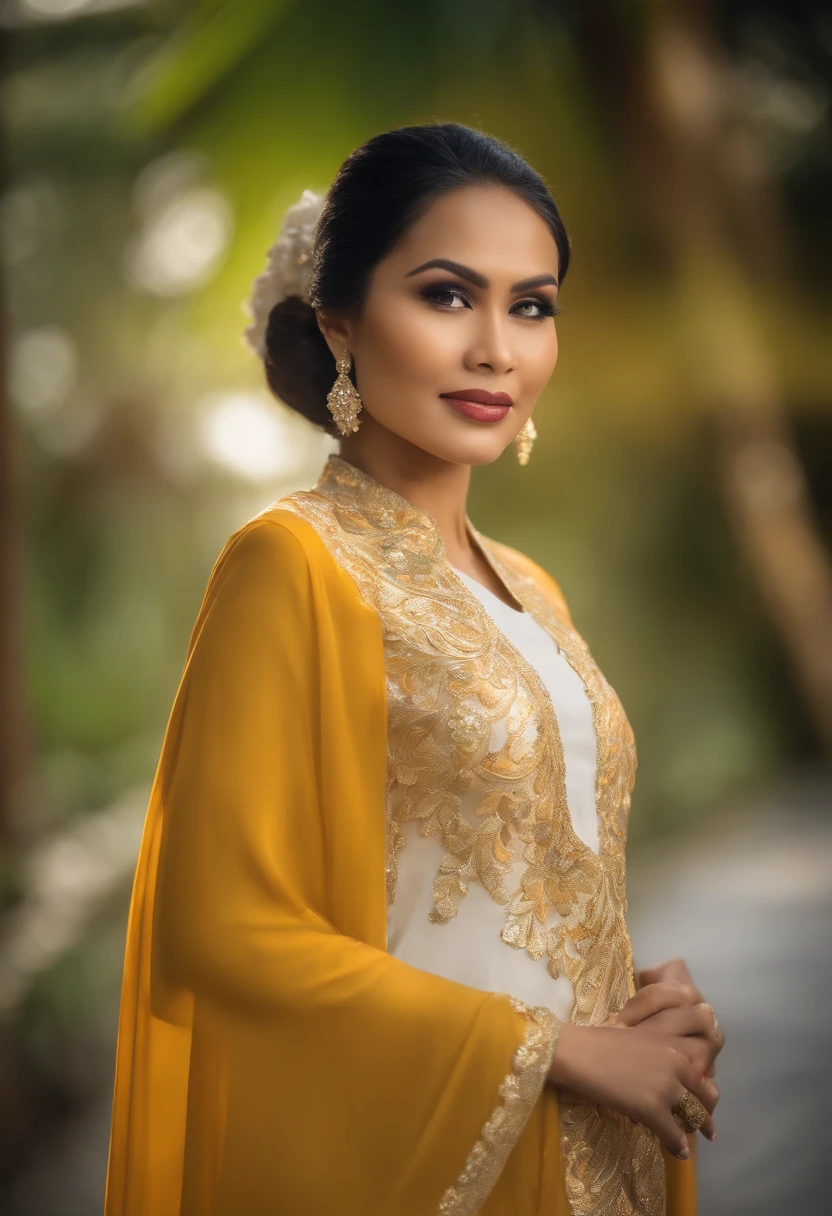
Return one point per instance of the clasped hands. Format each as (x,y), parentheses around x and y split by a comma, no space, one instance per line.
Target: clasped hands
(669,1008)
(671,1044)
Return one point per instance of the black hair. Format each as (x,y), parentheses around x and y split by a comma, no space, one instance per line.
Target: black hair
(380,190)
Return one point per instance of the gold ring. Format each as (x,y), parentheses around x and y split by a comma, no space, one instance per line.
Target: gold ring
(691,1111)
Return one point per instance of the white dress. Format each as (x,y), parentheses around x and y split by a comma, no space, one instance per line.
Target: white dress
(469,948)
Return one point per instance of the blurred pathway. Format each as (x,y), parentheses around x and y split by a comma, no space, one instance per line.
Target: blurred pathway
(749,905)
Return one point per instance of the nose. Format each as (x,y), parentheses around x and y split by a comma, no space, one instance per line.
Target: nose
(490,345)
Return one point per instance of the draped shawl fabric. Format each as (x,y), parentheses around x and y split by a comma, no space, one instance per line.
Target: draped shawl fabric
(272,1056)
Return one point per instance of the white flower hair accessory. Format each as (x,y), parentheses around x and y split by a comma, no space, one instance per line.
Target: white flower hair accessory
(288,268)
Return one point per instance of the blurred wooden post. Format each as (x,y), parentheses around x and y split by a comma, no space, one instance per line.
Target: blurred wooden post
(703,182)
(15,735)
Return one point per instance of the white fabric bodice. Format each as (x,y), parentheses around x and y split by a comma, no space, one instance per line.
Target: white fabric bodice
(469,948)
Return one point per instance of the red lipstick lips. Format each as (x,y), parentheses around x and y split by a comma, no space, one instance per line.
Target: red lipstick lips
(480,396)
(476,403)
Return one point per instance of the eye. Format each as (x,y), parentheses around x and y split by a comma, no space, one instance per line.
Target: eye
(546,308)
(446,290)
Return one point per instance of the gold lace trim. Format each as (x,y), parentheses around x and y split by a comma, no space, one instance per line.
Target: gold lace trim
(518,1093)
(451,676)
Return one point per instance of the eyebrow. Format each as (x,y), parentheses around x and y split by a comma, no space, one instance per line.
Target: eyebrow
(479,280)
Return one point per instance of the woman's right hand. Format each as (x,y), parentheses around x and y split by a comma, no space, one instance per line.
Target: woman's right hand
(635,1074)
(680,1013)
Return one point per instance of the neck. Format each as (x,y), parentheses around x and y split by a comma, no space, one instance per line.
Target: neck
(432,484)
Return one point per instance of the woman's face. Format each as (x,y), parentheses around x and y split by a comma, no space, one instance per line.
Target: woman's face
(482,321)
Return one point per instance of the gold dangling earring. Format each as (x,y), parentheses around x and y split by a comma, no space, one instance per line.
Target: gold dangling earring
(343,398)
(524,439)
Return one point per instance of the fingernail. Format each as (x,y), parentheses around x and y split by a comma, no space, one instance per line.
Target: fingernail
(684,1153)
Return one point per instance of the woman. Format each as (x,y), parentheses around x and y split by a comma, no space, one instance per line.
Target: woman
(377,959)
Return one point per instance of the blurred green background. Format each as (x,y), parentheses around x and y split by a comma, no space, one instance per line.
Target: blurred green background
(680,488)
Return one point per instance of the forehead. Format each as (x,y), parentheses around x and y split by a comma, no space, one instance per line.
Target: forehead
(489,228)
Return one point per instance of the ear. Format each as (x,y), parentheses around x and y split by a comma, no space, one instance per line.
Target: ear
(336,331)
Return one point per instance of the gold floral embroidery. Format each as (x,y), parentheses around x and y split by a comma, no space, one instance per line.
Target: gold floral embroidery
(587,889)
(612,1167)
(451,676)
(518,1093)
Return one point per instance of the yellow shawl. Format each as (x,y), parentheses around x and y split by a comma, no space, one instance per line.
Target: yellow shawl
(272,1057)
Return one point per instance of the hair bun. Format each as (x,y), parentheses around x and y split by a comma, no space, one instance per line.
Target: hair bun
(299,365)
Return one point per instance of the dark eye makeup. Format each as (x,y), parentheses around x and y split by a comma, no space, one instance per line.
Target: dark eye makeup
(434,291)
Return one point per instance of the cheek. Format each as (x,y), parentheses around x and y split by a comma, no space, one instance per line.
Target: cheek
(408,337)
(542,357)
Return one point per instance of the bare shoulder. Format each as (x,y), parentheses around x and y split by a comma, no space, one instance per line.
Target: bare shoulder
(525,567)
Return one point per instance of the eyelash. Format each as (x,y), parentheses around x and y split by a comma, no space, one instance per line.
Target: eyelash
(547,308)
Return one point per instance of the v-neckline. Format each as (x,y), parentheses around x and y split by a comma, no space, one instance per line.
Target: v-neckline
(465,575)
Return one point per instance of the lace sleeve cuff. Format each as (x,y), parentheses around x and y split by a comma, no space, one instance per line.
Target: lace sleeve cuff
(518,1093)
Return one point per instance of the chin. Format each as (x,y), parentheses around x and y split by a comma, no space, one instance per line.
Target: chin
(479,458)
(474,454)
(484,448)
